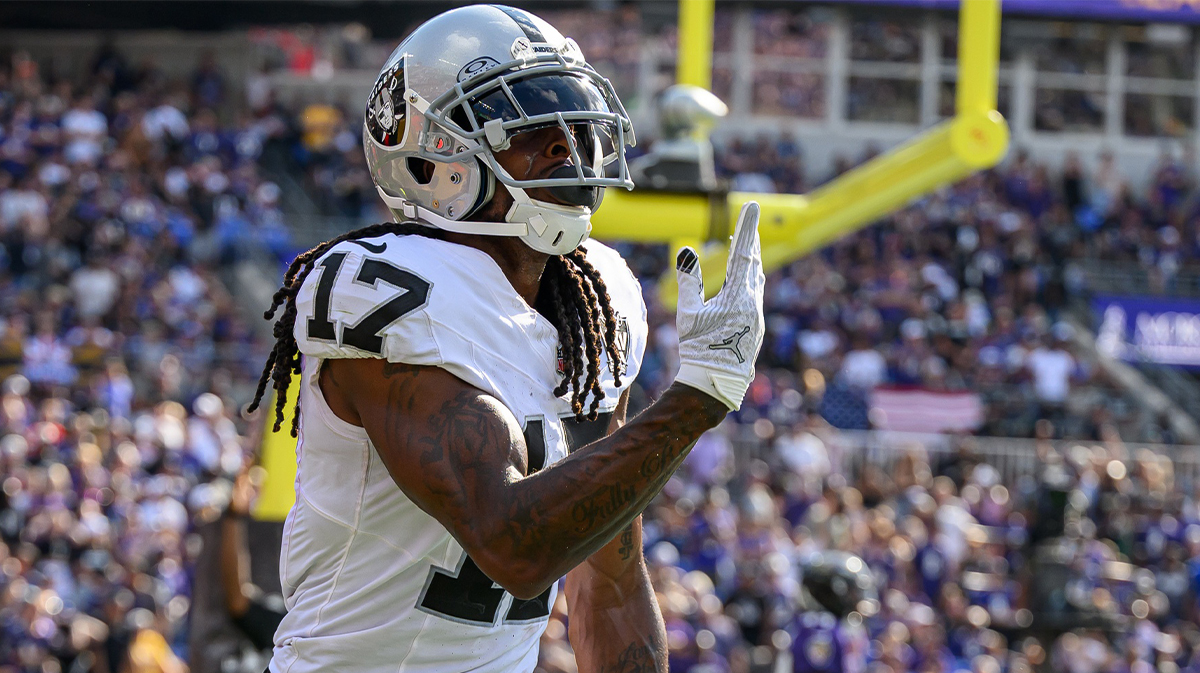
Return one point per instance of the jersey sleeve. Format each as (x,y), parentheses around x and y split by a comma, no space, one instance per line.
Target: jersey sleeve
(358,303)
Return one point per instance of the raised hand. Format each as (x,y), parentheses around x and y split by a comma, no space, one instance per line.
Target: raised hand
(719,339)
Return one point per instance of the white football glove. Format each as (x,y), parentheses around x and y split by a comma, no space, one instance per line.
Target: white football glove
(719,339)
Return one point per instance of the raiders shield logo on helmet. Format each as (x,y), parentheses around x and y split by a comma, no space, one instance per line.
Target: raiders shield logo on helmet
(385,113)
(383,123)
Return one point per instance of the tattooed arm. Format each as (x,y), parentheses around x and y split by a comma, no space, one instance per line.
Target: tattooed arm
(458,453)
(615,623)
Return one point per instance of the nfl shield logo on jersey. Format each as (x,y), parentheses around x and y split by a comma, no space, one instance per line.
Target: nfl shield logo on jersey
(621,346)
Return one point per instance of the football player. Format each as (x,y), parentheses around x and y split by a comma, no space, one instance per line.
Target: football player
(837,592)
(463,441)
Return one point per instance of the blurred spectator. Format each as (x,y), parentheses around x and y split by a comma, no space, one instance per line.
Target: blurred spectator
(96,287)
(208,84)
(863,367)
(246,603)
(85,129)
(47,357)
(1052,367)
(165,122)
(320,124)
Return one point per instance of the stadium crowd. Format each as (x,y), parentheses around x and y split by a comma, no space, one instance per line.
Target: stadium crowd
(123,355)
(966,290)
(970,289)
(124,361)
(952,546)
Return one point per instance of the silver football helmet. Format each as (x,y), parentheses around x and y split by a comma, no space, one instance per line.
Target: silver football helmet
(455,92)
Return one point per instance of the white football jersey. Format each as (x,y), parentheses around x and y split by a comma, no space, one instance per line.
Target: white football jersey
(371,582)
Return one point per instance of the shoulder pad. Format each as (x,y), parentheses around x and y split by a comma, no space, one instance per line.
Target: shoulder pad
(363,296)
(415,300)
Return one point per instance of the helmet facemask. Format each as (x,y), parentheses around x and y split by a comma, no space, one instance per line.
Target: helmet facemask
(479,116)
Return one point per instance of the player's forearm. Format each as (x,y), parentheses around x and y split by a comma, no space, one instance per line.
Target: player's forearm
(608,635)
(550,522)
(460,456)
(615,621)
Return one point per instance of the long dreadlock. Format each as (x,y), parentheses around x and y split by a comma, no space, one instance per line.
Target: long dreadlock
(572,297)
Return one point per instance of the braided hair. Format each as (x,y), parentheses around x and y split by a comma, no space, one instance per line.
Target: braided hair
(572,296)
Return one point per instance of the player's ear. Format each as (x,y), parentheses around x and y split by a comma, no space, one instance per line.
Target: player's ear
(421,169)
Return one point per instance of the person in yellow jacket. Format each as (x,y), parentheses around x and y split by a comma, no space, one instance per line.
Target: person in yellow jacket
(149,651)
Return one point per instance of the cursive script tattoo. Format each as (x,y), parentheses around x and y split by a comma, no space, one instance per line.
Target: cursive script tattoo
(603,505)
(633,659)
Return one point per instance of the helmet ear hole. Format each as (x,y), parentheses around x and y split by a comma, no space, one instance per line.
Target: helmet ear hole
(421,170)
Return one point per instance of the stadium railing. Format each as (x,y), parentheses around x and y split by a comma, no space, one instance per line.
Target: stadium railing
(850,451)
(1132,278)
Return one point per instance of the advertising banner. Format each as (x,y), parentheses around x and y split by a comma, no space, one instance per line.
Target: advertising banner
(1163,330)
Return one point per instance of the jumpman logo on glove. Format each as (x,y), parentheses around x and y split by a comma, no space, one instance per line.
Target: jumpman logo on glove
(736,310)
(733,343)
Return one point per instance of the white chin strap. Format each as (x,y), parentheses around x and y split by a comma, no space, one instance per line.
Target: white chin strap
(546,227)
(552,229)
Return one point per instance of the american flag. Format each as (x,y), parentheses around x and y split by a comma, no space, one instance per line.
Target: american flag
(918,410)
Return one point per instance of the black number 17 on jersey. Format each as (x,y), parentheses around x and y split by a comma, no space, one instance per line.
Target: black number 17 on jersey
(364,335)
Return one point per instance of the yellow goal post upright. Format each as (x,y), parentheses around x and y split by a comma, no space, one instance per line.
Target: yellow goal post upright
(792,225)
(277,456)
(694,53)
